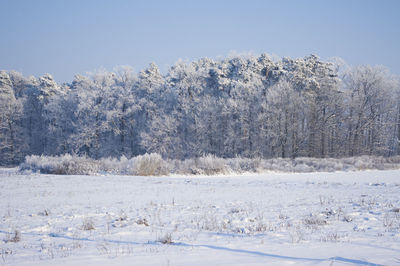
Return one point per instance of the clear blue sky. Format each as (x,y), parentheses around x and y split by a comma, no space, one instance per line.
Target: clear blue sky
(64,38)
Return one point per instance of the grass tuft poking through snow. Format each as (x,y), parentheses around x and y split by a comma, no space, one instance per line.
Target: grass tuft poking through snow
(166,239)
(88,224)
(14,237)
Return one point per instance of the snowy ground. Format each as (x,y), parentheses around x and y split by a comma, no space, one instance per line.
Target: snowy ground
(314,218)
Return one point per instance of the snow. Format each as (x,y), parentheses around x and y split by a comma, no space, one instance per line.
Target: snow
(343,218)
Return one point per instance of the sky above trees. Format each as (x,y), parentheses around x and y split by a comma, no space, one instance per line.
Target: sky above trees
(69,37)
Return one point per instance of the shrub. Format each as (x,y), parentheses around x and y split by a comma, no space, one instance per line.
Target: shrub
(210,165)
(242,165)
(149,164)
(153,164)
(61,165)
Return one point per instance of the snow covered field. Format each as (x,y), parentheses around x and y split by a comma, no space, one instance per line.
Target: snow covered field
(339,218)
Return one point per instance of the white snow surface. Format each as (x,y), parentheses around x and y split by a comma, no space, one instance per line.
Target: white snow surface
(342,218)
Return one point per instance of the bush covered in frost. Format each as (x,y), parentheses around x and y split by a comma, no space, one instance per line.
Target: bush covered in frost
(205,165)
(149,164)
(243,165)
(61,165)
(154,165)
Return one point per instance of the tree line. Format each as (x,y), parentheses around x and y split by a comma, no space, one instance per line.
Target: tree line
(247,106)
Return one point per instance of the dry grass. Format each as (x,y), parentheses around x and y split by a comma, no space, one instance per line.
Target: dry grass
(14,238)
(88,224)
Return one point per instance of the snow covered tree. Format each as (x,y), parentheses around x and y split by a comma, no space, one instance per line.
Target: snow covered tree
(286,115)
(249,106)
(370,109)
(125,110)
(10,114)
(60,120)
(94,119)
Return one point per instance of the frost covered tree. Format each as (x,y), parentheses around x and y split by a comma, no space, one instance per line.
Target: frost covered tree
(60,119)
(11,139)
(37,94)
(124,112)
(371,109)
(94,116)
(186,82)
(286,115)
(153,97)
(248,106)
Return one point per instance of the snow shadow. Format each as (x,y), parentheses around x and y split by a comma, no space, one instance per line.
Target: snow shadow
(233,250)
(259,253)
